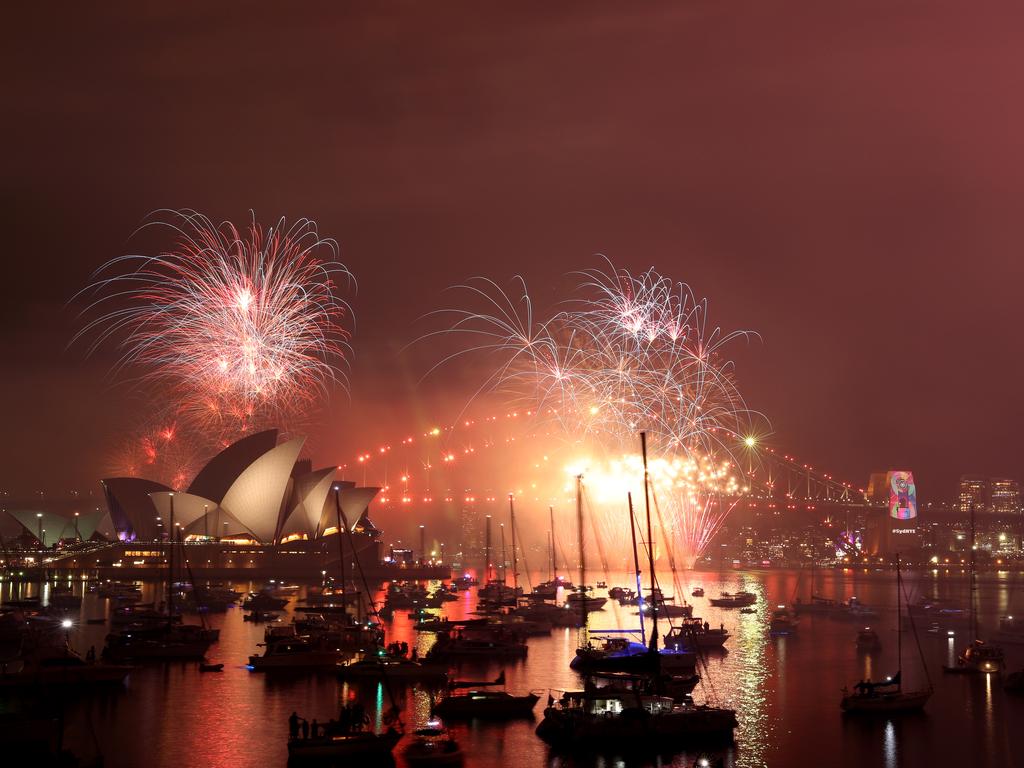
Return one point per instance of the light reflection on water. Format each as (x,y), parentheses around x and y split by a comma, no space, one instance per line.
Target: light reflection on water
(786,690)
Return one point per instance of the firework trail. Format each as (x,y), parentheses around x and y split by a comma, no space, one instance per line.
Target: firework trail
(236,328)
(628,353)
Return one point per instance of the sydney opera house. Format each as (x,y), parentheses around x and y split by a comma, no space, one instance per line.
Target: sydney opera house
(255,505)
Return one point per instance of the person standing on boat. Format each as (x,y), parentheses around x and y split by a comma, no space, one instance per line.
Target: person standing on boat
(305,728)
(293,726)
(315,728)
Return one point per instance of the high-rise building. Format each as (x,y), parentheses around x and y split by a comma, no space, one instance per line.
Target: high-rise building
(974,490)
(471,538)
(1004,496)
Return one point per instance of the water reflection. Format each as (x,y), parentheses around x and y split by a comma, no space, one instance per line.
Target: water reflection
(889,742)
(785,690)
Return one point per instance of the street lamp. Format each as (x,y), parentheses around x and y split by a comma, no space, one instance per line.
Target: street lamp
(39,520)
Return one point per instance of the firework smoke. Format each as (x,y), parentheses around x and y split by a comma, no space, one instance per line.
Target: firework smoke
(629,353)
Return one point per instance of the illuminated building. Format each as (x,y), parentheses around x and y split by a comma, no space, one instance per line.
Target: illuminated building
(974,490)
(1004,496)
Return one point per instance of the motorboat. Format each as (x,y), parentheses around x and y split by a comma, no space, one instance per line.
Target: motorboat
(209,667)
(580,601)
(598,718)
(1010,631)
(260,617)
(734,600)
(393,668)
(433,746)
(978,657)
(697,592)
(782,622)
(262,602)
(158,643)
(817,606)
(868,640)
(486,704)
(435,624)
(855,609)
(477,644)
(356,744)
(618,654)
(465,582)
(66,669)
(669,610)
(295,654)
(695,634)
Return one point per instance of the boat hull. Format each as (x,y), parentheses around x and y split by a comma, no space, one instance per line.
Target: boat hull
(579,731)
(466,707)
(347,745)
(884,703)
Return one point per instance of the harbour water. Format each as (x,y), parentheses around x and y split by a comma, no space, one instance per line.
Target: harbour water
(785,689)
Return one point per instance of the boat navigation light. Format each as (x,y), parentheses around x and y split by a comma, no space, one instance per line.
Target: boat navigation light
(950,633)
(66,623)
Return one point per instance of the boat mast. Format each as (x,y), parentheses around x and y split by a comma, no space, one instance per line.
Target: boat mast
(583,565)
(341,548)
(487,551)
(515,562)
(554,557)
(899,626)
(170,563)
(650,545)
(974,622)
(636,567)
(549,556)
(504,561)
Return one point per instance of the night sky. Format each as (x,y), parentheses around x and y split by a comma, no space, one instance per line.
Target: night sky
(844,178)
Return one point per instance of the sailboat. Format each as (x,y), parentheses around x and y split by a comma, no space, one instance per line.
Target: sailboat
(612,716)
(818,605)
(341,739)
(169,639)
(888,695)
(978,657)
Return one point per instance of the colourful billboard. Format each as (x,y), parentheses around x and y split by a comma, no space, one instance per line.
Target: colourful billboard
(902,495)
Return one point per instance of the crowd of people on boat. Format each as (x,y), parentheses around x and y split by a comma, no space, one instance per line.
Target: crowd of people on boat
(401,650)
(353,719)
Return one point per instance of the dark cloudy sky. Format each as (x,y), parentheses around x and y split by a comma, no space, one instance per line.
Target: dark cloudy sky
(843,177)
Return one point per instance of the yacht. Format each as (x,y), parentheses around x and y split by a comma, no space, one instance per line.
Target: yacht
(868,640)
(393,668)
(296,653)
(694,633)
(738,600)
(486,704)
(1010,631)
(355,744)
(978,657)
(783,622)
(66,669)
(598,718)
